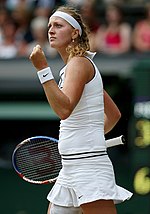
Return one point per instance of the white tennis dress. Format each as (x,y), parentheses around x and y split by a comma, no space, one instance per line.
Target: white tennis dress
(87,174)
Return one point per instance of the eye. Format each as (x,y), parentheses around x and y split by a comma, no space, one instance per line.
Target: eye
(49,26)
(58,25)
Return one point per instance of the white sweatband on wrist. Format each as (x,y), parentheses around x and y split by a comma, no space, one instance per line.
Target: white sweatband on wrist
(45,75)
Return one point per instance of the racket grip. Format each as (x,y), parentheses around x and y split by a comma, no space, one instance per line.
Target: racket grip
(115,141)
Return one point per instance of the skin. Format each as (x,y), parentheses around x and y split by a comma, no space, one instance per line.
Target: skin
(63,102)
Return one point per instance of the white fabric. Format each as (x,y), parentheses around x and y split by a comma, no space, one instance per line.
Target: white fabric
(87,180)
(45,75)
(68,18)
(83,130)
(90,54)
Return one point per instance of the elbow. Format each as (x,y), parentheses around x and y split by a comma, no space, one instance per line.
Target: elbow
(65,111)
(63,115)
(118,115)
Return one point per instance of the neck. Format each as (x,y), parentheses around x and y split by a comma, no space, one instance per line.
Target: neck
(64,55)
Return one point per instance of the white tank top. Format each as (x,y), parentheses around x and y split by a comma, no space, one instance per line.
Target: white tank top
(83,130)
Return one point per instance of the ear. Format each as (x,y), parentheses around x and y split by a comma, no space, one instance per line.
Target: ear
(75,33)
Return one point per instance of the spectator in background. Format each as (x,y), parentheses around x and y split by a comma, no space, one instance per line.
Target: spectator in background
(39,32)
(8,47)
(90,17)
(4,16)
(114,37)
(141,32)
(22,17)
(12,4)
(44,7)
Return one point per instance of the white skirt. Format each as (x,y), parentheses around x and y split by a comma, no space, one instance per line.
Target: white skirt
(86,180)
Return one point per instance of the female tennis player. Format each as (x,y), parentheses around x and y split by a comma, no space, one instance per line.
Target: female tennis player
(86,183)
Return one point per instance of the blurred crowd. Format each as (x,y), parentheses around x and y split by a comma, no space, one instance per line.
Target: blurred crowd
(23,23)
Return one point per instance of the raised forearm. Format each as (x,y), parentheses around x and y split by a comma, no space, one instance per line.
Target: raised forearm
(59,102)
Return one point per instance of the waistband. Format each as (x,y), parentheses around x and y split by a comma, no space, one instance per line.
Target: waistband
(83,155)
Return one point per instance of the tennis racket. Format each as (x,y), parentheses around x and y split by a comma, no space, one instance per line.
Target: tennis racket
(37,159)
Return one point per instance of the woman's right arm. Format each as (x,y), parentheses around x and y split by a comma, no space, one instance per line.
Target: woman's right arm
(111,112)
(77,74)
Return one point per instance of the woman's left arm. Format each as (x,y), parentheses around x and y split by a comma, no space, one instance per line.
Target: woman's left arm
(111,113)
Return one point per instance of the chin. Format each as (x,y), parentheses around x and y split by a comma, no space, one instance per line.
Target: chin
(53,45)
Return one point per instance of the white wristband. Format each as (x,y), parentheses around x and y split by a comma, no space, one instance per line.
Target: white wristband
(45,75)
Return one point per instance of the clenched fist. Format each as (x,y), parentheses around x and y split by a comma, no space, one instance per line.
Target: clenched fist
(38,58)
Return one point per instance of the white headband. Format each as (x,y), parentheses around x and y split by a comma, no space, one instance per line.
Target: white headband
(69,19)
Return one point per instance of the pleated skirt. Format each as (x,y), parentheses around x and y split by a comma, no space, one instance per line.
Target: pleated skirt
(87,180)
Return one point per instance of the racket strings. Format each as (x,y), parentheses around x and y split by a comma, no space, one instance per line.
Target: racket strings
(40,173)
(39,160)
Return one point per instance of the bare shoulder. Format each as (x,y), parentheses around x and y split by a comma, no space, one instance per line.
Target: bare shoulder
(81,66)
(81,63)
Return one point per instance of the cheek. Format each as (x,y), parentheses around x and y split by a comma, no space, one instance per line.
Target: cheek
(65,38)
(65,34)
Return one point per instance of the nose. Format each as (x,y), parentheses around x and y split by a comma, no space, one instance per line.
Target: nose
(51,30)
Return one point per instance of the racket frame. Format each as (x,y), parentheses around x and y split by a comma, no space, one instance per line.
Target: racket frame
(15,165)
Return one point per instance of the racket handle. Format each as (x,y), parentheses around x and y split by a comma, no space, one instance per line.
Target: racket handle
(115,141)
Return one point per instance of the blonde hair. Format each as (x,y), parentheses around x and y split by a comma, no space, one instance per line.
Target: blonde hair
(81,45)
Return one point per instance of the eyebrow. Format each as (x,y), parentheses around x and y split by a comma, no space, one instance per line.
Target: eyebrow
(55,22)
